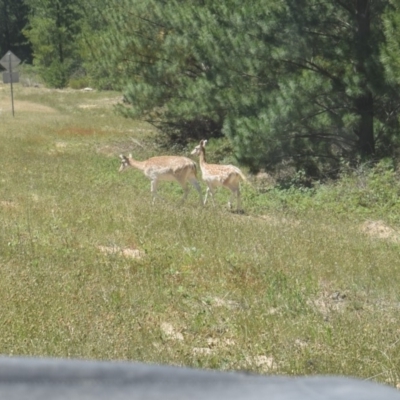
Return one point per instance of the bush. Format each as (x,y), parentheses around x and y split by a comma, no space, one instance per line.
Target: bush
(78,83)
(56,75)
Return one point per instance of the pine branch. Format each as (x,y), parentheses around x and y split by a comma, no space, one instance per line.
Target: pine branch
(322,34)
(321,135)
(315,68)
(329,109)
(324,72)
(346,7)
(125,11)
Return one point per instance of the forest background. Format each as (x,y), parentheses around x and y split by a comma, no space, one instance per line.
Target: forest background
(309,84)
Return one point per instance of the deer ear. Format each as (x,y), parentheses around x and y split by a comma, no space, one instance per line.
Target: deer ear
(194,151)
(204,142)
(130,155)
(121,156)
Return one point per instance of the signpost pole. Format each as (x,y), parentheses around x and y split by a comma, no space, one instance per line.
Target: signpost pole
(8,76)
(11,82)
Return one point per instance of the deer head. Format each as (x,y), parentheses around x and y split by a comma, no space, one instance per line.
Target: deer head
(196,151)
(124,162)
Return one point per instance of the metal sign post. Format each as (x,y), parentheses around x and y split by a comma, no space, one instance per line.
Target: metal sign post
(9,61)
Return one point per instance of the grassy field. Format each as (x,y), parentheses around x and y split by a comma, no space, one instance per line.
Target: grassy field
(302,283)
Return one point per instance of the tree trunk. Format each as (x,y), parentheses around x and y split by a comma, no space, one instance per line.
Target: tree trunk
(364,104)
(6,30)
(60,39)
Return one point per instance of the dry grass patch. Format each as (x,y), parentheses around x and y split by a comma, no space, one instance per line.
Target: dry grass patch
(279,220)
(25,106)
(76,131)
(106,102)
(327,303)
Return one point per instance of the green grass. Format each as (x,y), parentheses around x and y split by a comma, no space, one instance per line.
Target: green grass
(294,286)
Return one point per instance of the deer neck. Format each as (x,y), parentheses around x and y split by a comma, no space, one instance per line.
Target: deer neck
(136,164)
(202,156)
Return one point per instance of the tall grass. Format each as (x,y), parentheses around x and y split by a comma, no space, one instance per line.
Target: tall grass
(90,269)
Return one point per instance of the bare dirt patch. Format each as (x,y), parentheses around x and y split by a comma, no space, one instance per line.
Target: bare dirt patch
(125,252)
(218,302)
(213,345)
(87,106)
(170,332)
(7,204)
(379,230)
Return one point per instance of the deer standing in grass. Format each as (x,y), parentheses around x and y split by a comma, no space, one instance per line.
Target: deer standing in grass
(165,168)
(215,175)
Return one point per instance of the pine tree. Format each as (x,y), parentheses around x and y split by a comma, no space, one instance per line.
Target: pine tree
(390,54)
(13,18)
(94,26)
(331,98)
(297,80)
(53,28)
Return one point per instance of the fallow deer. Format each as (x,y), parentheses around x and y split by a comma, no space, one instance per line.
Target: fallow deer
(165,168)
(215,175)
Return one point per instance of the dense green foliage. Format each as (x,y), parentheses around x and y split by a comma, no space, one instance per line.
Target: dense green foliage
(310,83)
(53,29)
(303,82)
(93,27)
(13,18)
(390,54)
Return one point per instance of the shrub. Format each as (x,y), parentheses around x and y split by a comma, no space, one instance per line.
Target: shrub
(78,83)
(56,75)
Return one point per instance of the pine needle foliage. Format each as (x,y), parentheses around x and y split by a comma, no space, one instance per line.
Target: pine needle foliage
(300,81)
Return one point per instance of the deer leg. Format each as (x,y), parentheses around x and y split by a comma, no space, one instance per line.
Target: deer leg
(230,201)
(205,197)
(153,191)
(196,184)
(185,188)
(239,205)
(211,192)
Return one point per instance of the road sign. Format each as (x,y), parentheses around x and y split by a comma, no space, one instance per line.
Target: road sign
(8,78)
(10,61)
